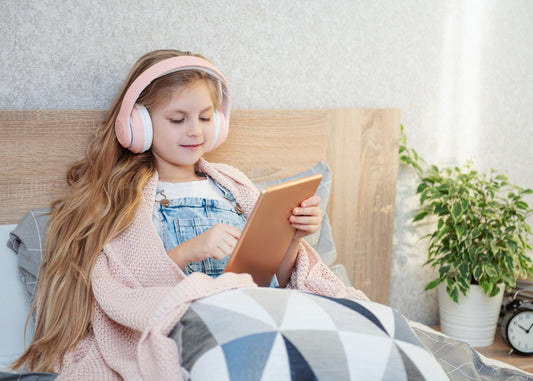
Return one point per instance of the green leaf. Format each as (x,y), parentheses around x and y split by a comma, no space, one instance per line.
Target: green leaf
(406,160)
(463,270)
(444,188)
(421,187)
(444,269)
(454,294)
(509,263)
(487,287)
(477,272)
(511,245)
(457,211)
(460,229)
(431,285)
(521,205)
(502,178)
(495,291)
(420,216)
(442,232)
(415,154)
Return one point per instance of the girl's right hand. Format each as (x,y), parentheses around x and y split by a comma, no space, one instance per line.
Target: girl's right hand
(216,242)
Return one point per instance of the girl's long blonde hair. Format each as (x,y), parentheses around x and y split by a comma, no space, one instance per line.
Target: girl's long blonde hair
(105,190)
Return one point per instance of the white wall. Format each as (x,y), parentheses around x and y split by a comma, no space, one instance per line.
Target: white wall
(461,71)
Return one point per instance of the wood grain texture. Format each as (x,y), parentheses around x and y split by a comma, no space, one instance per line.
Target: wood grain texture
(362,152)
(360,145)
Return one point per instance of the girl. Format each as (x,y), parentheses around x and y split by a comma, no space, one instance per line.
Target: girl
(144,211)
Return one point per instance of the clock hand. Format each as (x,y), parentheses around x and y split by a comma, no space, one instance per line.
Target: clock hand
(526,330)
(529,329)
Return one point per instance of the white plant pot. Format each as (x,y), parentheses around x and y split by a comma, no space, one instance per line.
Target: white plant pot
(473,319)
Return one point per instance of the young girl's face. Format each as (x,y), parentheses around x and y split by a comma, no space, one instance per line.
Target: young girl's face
(183,130)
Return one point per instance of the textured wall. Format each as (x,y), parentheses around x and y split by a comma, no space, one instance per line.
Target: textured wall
(461,71)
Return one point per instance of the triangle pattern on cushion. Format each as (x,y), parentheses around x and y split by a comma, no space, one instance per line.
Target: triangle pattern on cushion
(346,320)
(277,366)
(300,369)
(394,367)
(212,359)
(227,325)
(192,333)
(302,313)
(274,301)
(403,332)
(358,307)
(237,301)
(361,350)
(411,370)
(323,351)
(246,357)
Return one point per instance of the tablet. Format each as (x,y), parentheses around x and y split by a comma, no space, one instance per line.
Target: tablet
(268,233)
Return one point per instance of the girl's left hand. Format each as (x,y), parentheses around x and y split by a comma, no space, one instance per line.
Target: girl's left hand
(307,217)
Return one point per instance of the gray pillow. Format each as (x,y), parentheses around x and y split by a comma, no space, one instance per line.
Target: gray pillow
(322,240)
(27,240)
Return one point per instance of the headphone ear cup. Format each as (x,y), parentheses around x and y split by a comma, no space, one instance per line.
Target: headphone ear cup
(220,130)
(141,127)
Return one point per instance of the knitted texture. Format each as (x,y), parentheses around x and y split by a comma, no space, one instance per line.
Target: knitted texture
(141,294)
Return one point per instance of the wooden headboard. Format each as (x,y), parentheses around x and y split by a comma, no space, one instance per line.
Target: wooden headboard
(360,146)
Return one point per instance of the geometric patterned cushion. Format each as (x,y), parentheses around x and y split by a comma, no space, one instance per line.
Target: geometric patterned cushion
(281,334)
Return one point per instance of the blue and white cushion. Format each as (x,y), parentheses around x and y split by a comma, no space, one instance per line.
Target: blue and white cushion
(280,334)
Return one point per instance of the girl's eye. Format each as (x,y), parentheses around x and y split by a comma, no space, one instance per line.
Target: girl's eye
(176,121)
(207,119)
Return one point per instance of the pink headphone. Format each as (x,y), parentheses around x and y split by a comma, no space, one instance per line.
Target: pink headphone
(133,126)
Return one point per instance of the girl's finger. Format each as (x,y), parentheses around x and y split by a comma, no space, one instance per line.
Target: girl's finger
(232,231)
(312,211)
(314,200)
(304,220)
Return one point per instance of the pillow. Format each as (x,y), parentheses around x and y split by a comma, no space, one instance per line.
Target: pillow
(14,302)
(27,240)
(282,334)
(322,240)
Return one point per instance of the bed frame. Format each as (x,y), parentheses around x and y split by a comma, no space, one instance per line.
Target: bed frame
(360,146)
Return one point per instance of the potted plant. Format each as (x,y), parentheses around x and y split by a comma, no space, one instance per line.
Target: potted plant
(480,240)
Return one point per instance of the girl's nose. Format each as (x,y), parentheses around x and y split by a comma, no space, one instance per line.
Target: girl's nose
(194,128)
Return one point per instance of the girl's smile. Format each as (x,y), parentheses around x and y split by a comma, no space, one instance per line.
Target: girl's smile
(191,147)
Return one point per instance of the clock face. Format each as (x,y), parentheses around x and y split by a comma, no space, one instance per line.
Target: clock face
(520,331)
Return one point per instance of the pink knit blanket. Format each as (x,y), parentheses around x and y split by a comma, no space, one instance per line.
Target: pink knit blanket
(141,294)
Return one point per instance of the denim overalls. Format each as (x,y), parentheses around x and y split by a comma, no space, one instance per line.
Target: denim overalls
(185,218)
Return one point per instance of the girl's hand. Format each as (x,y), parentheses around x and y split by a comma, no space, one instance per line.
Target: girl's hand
(307,217)
(216,242)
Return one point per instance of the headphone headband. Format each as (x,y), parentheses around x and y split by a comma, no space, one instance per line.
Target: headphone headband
(124,126)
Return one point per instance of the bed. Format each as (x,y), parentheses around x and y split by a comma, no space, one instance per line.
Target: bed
(355,149)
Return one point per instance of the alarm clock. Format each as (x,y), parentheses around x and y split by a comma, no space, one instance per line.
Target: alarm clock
(517,326)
